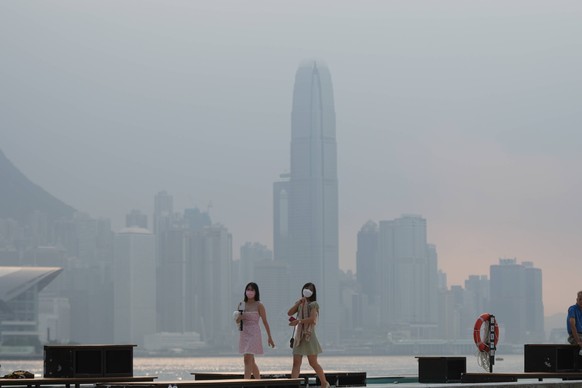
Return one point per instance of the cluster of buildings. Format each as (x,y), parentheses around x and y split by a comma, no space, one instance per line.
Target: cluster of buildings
(403,292)
(172,286)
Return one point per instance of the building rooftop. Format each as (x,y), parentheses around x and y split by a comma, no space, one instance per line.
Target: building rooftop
(16,280)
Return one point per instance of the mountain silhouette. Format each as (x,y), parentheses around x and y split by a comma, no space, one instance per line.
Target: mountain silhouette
(20,198)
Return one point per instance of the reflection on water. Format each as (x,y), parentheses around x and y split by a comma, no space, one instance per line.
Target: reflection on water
(178,368)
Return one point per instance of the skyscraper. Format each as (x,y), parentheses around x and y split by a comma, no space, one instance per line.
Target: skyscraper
(209,288)
(134,286)
(407,276)
(367,259)
(516,300)
(312,240)
(163,216)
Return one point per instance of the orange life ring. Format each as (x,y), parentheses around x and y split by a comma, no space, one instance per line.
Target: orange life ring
(483,347)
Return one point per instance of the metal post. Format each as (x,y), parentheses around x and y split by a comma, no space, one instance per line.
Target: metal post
(491,342)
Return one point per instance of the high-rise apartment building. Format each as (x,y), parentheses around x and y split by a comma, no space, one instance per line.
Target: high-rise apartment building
(209,284)
(88,280)
(516,300)
(367,260)
(175,295)
(134,286)
(407,277)
(163,211)
(273,280)
(163,218)
(172,281)
(281,219)
(312,194)
(475,301)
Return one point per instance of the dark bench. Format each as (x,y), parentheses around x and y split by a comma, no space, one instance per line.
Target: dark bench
(67,382)
(225,383)
(336,378)
(513,377)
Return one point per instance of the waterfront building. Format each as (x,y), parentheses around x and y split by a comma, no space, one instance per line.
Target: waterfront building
(171,280)
(273,280)
(54,319)
(475,300)
(408,277)
(163,218)
(209,285)
(516,300)
(281,219)
(89,280)
(535,328)
(19,308)
(449,313)
(175,295)
(310,246)
(163,211)
(367,260)
(134,313)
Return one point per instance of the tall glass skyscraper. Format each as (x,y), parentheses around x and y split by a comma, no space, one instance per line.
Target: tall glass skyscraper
(310,195)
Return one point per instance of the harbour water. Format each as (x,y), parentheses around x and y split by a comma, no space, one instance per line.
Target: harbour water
(180,368)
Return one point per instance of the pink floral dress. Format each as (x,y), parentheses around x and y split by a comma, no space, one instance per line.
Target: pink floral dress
(250,341)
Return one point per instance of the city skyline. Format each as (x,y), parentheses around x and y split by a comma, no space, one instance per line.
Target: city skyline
(194,264)
(464,113)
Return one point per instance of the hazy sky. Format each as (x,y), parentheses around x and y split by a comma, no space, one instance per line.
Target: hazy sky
(465,112)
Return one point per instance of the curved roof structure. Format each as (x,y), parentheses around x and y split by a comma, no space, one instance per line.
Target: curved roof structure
(16,280)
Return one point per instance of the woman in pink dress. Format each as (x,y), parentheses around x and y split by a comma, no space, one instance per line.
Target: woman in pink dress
(251,342)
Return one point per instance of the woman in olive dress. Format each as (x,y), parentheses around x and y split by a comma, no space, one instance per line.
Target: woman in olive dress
(306,343)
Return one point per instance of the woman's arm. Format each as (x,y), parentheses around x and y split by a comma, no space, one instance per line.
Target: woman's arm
(263,315)
(295,307)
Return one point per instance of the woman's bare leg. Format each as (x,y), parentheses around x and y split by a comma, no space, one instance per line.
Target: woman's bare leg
(249,360)
(256,372)
(297,358)
(317,368)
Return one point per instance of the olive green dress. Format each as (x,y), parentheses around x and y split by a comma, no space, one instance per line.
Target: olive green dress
(307,348)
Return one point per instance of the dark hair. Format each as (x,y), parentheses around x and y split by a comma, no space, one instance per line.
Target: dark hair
(313,297)
(255,287)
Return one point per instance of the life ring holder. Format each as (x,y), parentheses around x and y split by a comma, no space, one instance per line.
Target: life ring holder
(481,345)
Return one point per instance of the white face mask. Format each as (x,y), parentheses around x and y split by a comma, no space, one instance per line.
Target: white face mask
(307,292)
